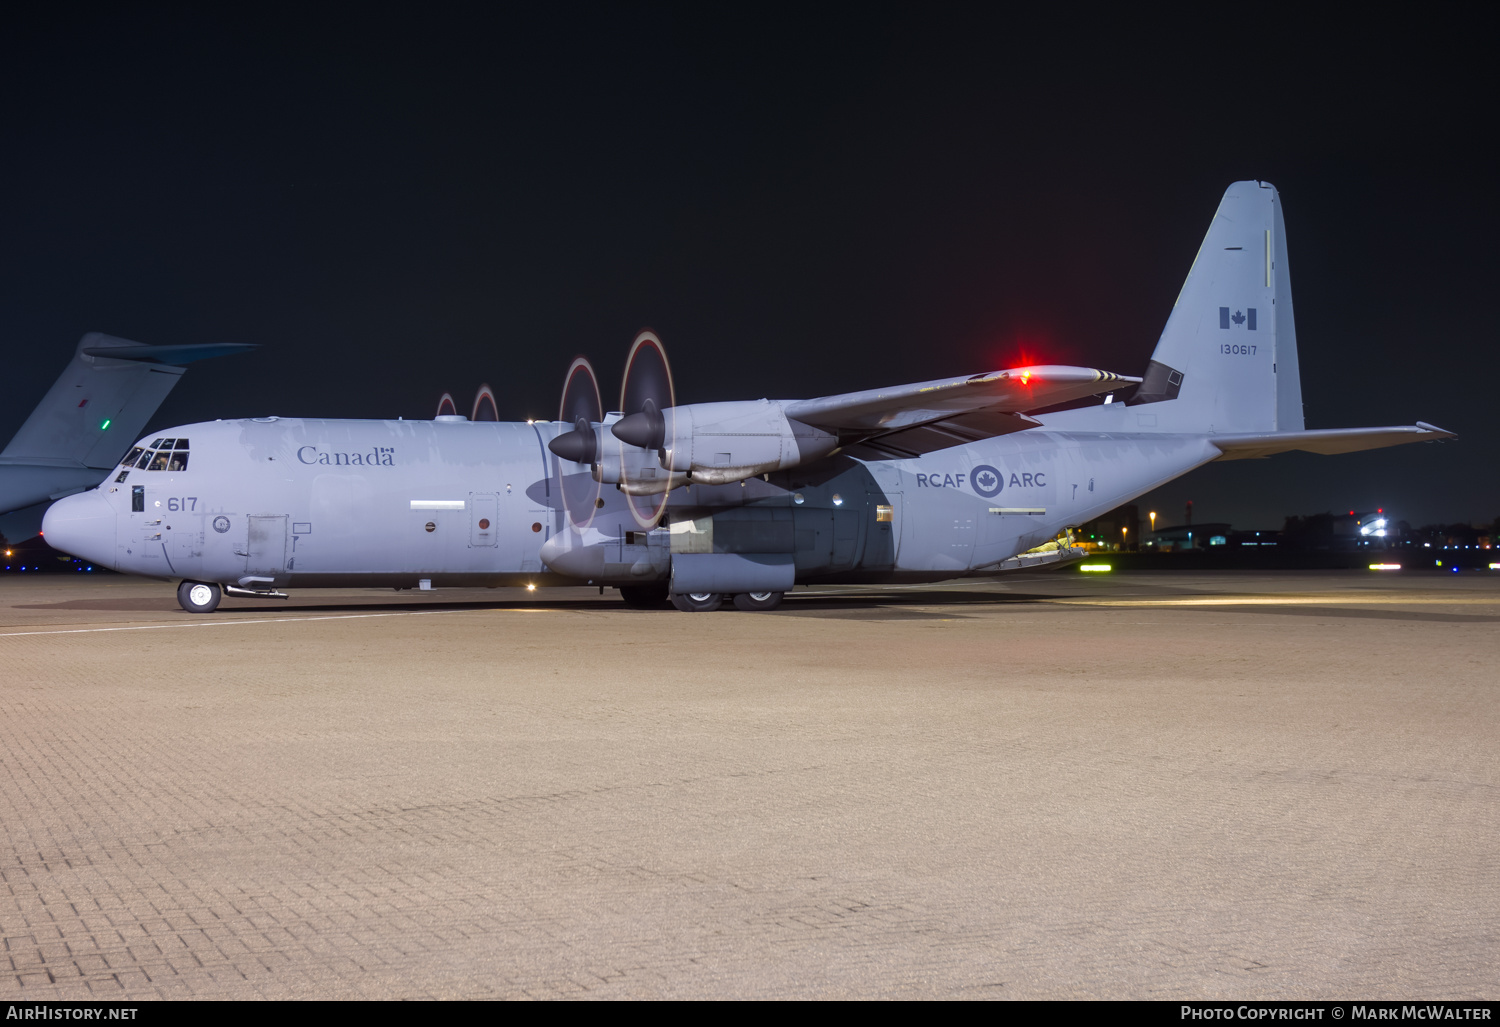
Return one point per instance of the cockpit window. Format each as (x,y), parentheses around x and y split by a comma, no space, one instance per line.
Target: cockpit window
(161,455)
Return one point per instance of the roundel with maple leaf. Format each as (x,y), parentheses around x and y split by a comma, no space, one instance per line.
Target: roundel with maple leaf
(987,481)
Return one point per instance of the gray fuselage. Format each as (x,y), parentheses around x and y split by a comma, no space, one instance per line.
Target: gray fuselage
(324,503)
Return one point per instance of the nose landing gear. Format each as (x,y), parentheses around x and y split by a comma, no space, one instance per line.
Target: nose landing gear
(199,596)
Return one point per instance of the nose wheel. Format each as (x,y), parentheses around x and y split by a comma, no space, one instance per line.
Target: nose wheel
(199,596)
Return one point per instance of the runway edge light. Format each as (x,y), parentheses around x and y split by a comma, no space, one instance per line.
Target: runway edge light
(1385,566)
(1094,567)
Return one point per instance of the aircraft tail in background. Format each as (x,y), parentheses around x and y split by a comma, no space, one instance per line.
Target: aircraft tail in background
(93,413)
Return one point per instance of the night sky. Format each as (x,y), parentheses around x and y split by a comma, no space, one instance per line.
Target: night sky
(403,201)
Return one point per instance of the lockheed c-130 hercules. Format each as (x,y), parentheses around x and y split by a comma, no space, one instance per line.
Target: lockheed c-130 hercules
(705,502)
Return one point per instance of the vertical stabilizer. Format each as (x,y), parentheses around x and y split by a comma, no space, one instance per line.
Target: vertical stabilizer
(1227,359)
(96,408)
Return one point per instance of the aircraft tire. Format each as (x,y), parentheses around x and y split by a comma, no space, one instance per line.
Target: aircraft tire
(751,602)
(199,596)
(697,602)
(644,597)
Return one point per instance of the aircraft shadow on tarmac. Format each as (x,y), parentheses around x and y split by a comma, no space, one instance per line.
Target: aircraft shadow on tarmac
(889,606)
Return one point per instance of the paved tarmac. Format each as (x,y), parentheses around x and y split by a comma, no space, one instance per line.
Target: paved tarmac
(1274,786)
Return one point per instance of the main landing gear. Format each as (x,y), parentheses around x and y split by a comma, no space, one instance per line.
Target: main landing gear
(199,596)
(703,602)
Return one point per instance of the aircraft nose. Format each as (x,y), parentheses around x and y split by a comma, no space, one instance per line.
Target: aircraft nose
(83,525)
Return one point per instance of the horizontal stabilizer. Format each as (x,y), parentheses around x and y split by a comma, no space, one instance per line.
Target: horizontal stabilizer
(175,355)
(1331,441)
(879,411)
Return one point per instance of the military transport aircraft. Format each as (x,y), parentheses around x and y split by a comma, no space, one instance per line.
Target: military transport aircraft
(85,423)
(739,500)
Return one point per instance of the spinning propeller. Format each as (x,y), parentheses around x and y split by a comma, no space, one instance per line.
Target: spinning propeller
(647,400)
(626,453)
(581,407)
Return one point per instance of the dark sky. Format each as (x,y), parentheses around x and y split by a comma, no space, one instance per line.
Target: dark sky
(405,201)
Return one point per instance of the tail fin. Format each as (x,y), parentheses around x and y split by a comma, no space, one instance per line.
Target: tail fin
(1228,355)
(102,400)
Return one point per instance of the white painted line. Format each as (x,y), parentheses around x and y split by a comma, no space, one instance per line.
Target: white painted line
(260,620)
(437,504)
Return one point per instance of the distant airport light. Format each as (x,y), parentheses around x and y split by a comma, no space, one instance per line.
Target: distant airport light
(1385,566)
(1493,566)
(1094,567)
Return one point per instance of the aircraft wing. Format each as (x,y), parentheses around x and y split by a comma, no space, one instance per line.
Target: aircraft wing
(1330,441)
(968,408)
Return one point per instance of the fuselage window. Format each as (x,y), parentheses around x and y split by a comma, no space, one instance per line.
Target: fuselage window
(182,443)
(132,457)
(178,462)
(158,462)
(122,476)
(145,460)
(156,444)
(137,498)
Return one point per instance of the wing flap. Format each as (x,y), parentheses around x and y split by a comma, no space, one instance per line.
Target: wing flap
(1013,391)
(1332,441)
(944,434)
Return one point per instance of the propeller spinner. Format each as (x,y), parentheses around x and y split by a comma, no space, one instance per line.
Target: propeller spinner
(646,399)
(582,407)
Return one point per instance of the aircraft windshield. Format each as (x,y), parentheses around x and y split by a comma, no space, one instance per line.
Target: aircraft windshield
(161,455)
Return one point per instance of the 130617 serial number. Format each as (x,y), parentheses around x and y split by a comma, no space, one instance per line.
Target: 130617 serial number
(1235,349)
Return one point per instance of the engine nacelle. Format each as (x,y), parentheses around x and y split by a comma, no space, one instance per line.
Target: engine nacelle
(618,463)
(719,443)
